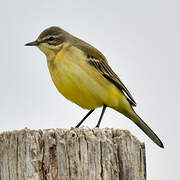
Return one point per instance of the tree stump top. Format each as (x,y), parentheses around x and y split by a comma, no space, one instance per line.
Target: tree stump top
(76,154)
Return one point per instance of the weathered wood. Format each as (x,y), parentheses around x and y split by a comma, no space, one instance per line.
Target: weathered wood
(76,154)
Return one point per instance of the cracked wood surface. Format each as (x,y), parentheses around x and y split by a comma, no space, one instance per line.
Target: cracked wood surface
(76,154)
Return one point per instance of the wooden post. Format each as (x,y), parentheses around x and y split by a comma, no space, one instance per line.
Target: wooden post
(76,154)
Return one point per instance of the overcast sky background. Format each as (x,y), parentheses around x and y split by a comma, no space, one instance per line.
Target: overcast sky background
(141,40)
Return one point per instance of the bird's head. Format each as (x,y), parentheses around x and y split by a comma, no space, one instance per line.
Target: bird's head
(50,40)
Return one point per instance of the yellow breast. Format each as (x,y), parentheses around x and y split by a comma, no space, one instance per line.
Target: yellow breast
(78,81)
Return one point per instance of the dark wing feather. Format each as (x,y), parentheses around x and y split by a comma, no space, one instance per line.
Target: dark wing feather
(96,59)
(108,73)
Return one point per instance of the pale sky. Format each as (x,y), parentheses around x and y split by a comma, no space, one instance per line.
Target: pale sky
(140,39)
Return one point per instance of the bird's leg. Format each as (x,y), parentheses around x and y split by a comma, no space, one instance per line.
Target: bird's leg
(101,116)
(84,118)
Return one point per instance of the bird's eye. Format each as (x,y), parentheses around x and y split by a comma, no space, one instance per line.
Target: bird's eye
(51,38)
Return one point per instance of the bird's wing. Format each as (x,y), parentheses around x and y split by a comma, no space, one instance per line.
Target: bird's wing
(96,59)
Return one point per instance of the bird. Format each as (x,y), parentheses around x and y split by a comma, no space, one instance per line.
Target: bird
(81,73)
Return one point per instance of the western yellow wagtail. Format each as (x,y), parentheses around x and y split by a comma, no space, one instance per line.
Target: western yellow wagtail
(81,74)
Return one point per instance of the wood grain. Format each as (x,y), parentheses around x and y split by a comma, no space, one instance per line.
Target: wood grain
(76,154)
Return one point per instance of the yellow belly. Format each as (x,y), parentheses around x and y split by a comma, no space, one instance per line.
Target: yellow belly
(80,82)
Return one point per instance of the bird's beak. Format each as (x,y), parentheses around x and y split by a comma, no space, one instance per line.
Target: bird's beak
(34,43)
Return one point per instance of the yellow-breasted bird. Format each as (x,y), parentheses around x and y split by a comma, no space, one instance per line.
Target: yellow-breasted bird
(81,74)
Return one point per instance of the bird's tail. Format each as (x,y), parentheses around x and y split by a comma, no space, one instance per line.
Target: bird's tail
(141,124)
